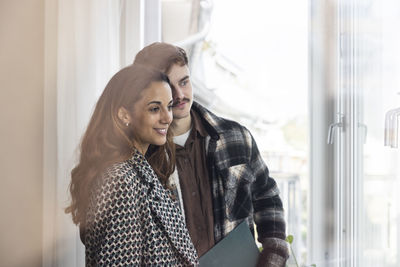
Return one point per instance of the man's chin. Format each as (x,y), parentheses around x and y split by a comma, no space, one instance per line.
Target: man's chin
(180,115)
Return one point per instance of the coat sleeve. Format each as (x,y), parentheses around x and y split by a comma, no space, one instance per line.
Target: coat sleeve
(113,234)
(268,212)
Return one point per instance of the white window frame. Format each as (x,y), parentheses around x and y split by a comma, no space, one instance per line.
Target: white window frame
(336,177)
(323,87)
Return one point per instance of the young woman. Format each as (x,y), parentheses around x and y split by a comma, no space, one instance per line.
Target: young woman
(119,196)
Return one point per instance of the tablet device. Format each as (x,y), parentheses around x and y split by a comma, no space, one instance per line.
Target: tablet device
(237,249)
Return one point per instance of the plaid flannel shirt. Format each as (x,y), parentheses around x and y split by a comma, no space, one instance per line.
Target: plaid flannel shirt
(242,188)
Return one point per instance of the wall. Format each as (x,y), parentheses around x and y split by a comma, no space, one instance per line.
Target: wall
(21,142)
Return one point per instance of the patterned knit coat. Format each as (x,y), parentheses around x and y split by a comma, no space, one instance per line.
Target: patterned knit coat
(132,221)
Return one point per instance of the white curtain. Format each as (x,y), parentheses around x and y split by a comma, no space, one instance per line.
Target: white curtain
(88,54)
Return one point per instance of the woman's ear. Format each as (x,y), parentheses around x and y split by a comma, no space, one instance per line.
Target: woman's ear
(124,116)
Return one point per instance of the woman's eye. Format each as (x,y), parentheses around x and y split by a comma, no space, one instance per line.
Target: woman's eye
(154,109)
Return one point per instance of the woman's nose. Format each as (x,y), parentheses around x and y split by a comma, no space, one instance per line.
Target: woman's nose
(166,117)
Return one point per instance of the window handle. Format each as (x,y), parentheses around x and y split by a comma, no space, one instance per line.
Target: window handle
(392,128)
(395,132)
(388,128)
(365,128)
(334,126)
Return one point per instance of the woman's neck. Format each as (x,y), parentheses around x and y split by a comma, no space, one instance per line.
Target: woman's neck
(141,148)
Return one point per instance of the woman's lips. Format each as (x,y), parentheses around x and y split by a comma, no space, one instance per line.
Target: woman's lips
(162,131)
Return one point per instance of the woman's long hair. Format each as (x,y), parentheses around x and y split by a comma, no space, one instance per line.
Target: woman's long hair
(107,140)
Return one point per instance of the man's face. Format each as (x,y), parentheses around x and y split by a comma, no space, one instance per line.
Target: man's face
(182,92)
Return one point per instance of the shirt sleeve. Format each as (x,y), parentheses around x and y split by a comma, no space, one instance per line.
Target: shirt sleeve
(268,212)
(113,232)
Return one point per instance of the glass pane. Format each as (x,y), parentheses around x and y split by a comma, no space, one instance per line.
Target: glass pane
(378,83)
(255,60)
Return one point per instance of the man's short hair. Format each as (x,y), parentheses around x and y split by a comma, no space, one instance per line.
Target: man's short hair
(161,56)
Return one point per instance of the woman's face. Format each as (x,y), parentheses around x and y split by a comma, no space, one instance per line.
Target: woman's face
(151,116)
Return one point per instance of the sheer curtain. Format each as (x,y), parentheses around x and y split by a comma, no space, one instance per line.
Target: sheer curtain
(88,54)
(86,42)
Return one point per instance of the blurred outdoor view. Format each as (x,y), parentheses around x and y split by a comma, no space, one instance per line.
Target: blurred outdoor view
(253,67)
(378,84)
(252,72)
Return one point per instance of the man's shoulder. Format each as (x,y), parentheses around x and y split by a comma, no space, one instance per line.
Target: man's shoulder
(219,124)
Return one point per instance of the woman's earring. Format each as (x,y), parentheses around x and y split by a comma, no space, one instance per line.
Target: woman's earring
(127,124)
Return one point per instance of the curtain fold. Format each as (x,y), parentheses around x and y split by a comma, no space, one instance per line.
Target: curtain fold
(88,54)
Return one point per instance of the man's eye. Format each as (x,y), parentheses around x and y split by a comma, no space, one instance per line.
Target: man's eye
(183,83)
(170,107)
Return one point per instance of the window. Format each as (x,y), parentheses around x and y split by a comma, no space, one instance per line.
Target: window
(340,197)
(369,72)
(255,63)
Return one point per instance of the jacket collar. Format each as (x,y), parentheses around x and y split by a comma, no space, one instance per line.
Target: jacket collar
(142,167)
(164,208)
(214,125)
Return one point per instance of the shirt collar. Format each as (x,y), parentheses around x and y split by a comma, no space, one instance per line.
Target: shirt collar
(197,130)
(197,124)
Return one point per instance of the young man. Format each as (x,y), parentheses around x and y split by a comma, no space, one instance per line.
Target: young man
(221,178)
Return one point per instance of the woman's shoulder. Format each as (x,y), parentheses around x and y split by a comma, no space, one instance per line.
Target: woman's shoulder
(114,192)
(120,169)
(118,175)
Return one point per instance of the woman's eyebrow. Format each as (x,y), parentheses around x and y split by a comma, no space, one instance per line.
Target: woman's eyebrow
(154,102)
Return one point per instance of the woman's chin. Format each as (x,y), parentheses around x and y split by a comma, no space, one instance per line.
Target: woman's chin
(160,141)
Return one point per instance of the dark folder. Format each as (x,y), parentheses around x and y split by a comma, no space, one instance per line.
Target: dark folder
(237,249)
